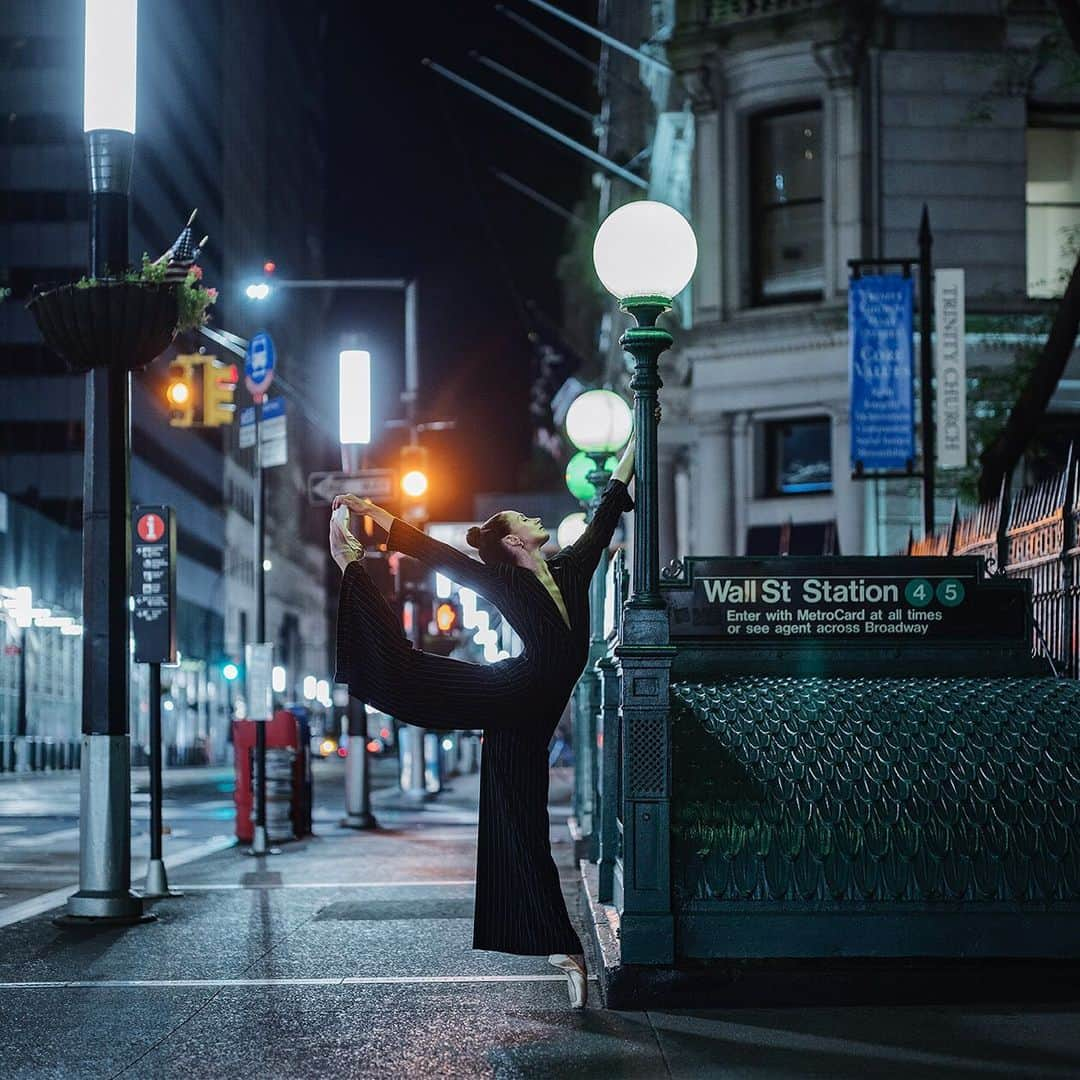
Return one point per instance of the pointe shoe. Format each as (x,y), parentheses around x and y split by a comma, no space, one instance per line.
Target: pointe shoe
(344,547)
(577,985)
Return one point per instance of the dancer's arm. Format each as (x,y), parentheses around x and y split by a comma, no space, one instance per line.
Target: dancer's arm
(586,550)
(488,581)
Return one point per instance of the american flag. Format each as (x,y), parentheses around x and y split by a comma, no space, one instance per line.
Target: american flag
(180,258)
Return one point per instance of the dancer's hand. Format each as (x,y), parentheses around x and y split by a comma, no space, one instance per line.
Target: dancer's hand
(357,504)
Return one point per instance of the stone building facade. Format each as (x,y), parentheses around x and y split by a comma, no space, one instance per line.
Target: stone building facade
(799,134)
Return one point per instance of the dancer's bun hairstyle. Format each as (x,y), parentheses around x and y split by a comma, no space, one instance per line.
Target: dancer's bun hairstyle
(487,539)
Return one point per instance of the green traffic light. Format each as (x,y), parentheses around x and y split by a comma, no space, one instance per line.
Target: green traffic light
(230,671)
(577,474)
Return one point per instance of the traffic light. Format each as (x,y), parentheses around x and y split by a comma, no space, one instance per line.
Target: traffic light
(219,384)
(182,391)
(413,466)
(446,617)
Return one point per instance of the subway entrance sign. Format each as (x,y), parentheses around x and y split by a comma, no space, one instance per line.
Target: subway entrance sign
(153,584)
(875,601)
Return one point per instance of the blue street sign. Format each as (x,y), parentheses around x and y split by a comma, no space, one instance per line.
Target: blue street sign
(272,408)
(259,363)
(880,373)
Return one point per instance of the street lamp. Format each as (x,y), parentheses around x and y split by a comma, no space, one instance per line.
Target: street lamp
(104,893)
(578,470)
(570,528)
(645,253)
(598,421)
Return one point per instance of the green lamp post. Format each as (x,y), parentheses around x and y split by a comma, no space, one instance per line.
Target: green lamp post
(598,423)
(578,471)
(644,253)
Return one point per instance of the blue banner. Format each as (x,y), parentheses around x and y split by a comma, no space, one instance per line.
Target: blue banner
(880,373)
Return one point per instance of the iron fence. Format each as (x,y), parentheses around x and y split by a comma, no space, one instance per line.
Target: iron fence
(1031,534)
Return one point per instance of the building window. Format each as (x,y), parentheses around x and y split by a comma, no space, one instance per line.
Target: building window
(787,245)
(1053,202)
(798,456)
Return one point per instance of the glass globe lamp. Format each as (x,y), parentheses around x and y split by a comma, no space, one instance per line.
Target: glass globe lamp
(570,529)
(577,474)
(598,421)
(644,249)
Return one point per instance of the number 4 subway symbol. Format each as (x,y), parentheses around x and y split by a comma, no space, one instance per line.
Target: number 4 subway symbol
(919,592)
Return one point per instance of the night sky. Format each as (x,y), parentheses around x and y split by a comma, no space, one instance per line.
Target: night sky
(410,192)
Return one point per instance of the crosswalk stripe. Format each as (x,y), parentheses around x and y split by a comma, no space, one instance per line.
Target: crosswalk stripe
(236,886)
(352,980)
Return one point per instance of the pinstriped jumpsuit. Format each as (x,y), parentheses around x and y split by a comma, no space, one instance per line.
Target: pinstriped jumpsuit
(517,702)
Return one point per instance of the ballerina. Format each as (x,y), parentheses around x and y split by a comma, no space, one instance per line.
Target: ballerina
(517,702)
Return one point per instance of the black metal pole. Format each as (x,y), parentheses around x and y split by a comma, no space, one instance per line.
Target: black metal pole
(260,846)
(157,882)
(155,762)
(105,803)
(358,813)
(926,368)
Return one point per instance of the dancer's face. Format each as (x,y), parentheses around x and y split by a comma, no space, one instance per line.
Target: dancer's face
(529,530)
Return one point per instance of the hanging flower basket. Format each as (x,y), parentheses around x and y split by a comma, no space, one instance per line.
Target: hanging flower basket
(107,323)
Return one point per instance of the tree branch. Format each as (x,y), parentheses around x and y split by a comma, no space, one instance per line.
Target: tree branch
(1000,458)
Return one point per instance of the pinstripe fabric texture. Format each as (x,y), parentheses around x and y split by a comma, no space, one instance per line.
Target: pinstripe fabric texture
(517,703)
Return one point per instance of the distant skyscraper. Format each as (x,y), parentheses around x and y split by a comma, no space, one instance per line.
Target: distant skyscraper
(229,122)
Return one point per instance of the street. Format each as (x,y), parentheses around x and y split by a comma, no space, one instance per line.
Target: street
(39,819)
(349,955)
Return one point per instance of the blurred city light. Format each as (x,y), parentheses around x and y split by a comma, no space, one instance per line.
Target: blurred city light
(311,687)
(354,396)
(278,680)
(414,483)
(444,587)
(257,290)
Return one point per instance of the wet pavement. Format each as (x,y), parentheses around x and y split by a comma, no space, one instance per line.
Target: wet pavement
(349,955)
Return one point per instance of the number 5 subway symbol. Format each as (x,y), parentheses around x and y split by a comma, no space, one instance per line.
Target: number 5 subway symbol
(919,592)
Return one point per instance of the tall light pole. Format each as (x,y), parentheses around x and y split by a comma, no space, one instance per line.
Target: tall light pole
(645,253)
(598,423)
(260,291)
(104,892)
(354,434)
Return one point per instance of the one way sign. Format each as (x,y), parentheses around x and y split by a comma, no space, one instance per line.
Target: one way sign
(376,484)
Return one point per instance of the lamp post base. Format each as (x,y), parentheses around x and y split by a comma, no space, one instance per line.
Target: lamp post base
(365,820)
(259,845)
(86,908)
(157,882)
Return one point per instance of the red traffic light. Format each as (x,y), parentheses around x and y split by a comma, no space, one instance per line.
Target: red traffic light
(269,266)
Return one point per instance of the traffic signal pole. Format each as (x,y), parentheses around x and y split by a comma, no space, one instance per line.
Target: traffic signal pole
(259,844)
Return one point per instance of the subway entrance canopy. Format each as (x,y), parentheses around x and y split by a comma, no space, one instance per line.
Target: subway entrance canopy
(843,758)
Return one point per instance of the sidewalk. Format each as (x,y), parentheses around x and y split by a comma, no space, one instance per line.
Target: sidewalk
(349,956)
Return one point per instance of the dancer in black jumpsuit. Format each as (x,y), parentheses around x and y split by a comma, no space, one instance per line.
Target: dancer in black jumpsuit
(517,702)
